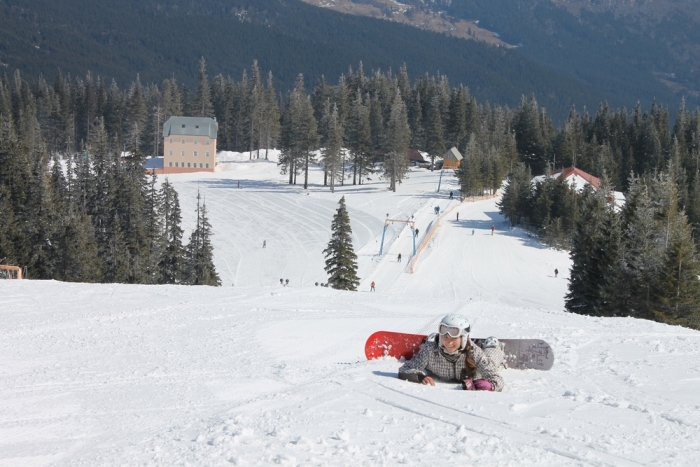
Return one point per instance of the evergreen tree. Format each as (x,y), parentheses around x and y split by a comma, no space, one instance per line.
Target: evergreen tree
(645,248)
(170,265)
(514,203)
(341,260)
(593,263)
(200,269)
(396,161)
(202,107)
(678,284)
(271,123)
(333,152)
(78,259)
(434,131)
(358,137)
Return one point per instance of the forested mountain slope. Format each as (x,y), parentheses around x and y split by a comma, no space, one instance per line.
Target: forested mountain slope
(634,50)
(160,40)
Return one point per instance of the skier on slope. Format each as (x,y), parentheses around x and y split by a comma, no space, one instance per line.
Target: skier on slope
(451,355)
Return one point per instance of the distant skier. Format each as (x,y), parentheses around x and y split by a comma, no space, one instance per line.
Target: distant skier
(450,195)
(472,232)
(281,281)
(264,243)
(371,289)
(556,273)
(399,258)
(493,227)
(457,217)
(450,355)
(416,232)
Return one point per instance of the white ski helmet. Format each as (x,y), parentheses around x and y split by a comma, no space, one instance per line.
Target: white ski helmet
(456,326)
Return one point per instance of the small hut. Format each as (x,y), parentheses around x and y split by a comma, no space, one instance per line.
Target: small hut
(451,159)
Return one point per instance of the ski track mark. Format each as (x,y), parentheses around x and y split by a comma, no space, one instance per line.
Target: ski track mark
(524,438)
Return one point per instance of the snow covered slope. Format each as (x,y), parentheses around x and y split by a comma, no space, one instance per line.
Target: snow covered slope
(253,373)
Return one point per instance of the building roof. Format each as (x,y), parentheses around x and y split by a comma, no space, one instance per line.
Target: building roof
(190,126)
(576,178)
(414,155)
(153,163)
(453,153)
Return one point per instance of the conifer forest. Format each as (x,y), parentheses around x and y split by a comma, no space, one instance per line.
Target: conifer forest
(77,205)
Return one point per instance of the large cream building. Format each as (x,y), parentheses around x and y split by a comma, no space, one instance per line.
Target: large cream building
(189,144)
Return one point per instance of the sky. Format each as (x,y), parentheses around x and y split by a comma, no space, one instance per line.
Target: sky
(256,373)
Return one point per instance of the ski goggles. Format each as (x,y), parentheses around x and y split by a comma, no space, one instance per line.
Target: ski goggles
(452,331)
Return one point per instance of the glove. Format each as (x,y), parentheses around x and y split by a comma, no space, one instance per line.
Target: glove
(468,384)
(482,385)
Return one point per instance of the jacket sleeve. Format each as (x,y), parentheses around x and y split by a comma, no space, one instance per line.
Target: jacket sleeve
(414,369)
(487,369)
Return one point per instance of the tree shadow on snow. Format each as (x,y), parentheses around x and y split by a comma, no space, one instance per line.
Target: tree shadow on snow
(503,227)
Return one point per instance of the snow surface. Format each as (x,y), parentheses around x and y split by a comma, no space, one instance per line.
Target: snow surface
(253,373)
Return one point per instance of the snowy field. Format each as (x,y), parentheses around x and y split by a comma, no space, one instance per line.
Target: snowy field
(253,373)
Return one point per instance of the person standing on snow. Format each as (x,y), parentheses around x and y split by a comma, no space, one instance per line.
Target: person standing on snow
(493,227)
(371,289)
(264,243)
(451,355)
(556,273)
(398,258)
(457,217)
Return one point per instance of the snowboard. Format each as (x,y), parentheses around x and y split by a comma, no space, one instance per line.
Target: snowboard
(521,354)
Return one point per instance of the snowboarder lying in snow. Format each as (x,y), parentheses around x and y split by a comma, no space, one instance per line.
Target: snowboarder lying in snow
(450,355)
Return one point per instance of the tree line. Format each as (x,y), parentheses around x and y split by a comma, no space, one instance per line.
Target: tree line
(75,201)
(636,259)
(97,137)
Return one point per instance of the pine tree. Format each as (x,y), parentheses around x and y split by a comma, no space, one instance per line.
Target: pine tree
(200,269)
(170,265)
(645,248)
(434,131)
(333,152)
(396,162)
(593,264)
(358,137)
(202,107)
(679,288)
(341,260)
(78,259)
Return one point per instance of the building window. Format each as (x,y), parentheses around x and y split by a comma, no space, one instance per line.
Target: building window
(183,153)
(207,153)
(171,152)
(188,164)
(207,166)
(196,141)
(171,164)
(195,154)
(183,140)
(175,164)
(206,141)
(171,140)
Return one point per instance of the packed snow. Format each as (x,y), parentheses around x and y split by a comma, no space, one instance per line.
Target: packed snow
(257,373)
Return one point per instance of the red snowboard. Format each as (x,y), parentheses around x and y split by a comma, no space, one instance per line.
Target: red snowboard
(520,353)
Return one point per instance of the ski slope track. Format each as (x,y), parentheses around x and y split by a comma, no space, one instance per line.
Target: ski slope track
(255,373)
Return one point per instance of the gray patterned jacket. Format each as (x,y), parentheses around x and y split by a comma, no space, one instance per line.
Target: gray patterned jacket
(430,362)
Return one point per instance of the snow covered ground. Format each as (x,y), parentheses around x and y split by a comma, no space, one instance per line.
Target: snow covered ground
(253,373)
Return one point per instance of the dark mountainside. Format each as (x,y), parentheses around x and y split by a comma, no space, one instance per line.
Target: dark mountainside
(122,38)
(631,49)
